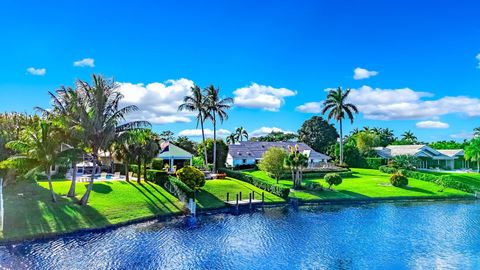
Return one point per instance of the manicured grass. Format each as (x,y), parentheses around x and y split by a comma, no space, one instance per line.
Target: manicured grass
(30,212)
(214,193)
(365,183)
(471,179)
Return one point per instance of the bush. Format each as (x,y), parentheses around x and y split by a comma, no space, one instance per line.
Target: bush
(398,180)
(158,177)
(157,164)
(314,186)
(333,179)
(179,186)
(278,190)
(386,169)
(407,162)
(198,162)
(374,163)
(191,176)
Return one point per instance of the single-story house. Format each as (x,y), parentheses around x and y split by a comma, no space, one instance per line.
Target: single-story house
(250,153)
(429,158)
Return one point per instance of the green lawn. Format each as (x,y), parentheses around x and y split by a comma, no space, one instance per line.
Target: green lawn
(214,193)
(471,179)
(29,210)
(365,183)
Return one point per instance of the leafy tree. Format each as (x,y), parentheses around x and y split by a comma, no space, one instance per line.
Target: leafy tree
(151,148)
(476,132)
(337,106)
(216,107)
(472,151)
(318,134)
(366,141)
(240,134)
(232,138)
(409,137)
(353,157)
(448,144)
(197,102)
(185,143)
(39,150)
(296,161)
(333,179)
(275,136)
(273,162)
(222,150)
(167,135)
(192,177)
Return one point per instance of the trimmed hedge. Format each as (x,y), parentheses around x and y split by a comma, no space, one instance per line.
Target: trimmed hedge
(309,175)
(445,180)
(374,163)
(157,176)
(278,190)
(189,193)
(398,180)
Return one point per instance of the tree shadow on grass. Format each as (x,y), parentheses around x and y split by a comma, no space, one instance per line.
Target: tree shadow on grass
(101,188)
(154,204)
(207,200)
(35,214)
(161,193)
(416,189)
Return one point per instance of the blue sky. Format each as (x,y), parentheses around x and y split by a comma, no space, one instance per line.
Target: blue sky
(283,54)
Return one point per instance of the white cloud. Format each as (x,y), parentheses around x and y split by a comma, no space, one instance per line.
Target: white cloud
(36,71)
(158,102)
(361,73)
(462,135)
(432,124)
(208,133)
(85,62)
(405,103)
(310,107)
(267,130)
(262,97)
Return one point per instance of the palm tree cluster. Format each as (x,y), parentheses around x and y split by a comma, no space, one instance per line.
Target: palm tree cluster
(87,118)
(238,136)
(208,105)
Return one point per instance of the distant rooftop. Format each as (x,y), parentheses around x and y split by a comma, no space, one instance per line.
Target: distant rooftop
(248,149)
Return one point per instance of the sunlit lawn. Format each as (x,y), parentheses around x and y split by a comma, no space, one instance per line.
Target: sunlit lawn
(214,193)
(29,210)
(366,183)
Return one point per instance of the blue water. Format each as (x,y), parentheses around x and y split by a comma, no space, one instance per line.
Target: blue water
(377,236)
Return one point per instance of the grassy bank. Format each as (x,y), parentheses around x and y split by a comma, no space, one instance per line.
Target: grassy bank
(30,212)
(214,193)
(363,184)
(471,179)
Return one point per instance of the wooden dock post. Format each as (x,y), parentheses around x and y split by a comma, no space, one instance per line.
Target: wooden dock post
(228,196)
(250,201)
(237,204)
(263,198)
(253,195)
(240,195)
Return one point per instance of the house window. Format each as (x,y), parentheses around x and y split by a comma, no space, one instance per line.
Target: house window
(244,161)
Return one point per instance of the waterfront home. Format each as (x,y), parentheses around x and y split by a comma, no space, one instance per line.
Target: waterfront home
(429,158)
(250,153)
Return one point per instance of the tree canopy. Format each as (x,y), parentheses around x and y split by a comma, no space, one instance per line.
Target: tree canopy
(317,133)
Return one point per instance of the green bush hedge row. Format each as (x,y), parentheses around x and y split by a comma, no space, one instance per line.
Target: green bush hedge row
(157,176)
(189,193)
(444,180)
(374,163)
(310,175)
(278,190)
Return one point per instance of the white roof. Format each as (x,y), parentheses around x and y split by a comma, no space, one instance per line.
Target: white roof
(419,150)
(452,152)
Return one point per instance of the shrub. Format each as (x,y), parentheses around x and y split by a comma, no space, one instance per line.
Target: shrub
(333,179)
(374,163)
(407,162)
(387,169)
(314,186)
(398,180)
(180,187)
(191,176)
(157,176)
(198,162)
(278,190)
(157,164)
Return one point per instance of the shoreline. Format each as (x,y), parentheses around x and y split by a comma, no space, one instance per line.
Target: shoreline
(229,210)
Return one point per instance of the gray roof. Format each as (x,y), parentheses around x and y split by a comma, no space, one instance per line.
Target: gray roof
(246,150)
(419,150)
(452,152)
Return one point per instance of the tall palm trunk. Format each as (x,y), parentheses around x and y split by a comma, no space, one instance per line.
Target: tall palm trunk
(49,178)
(478,164)
(214,143)
(84,199)
(145,170)
(139,170)
(127,177)
(71,191)
(204,146)
(341,142)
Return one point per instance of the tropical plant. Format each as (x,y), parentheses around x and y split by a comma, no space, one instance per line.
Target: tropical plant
(317,133)
(197,102)
(167,135)
(240,134)
(101,119)
(185,143)
(232,138)
(333,179)
(38,150)
(406,162)
(409,137)
(276,136)
(472,151)
(151,148)
(296,161)
(398,180)
(192,177)
(366,141)
(337,106)
(221,151)
(273,162)
(476,132)
(216,107)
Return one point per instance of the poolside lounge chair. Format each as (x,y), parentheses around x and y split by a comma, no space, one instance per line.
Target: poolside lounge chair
(116,176)
(103,176)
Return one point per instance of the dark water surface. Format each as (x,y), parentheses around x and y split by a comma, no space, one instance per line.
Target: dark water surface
(376,236)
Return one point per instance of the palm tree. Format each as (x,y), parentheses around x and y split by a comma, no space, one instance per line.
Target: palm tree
(38,148)
(408,136)
(64,102)
(123,149)
(197,102)
(241,133)
(232,138)
(476,132)
(151,148)
(101,119)
(296,161)
(472,152)
(354,131)
(216,107)
(337,106)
